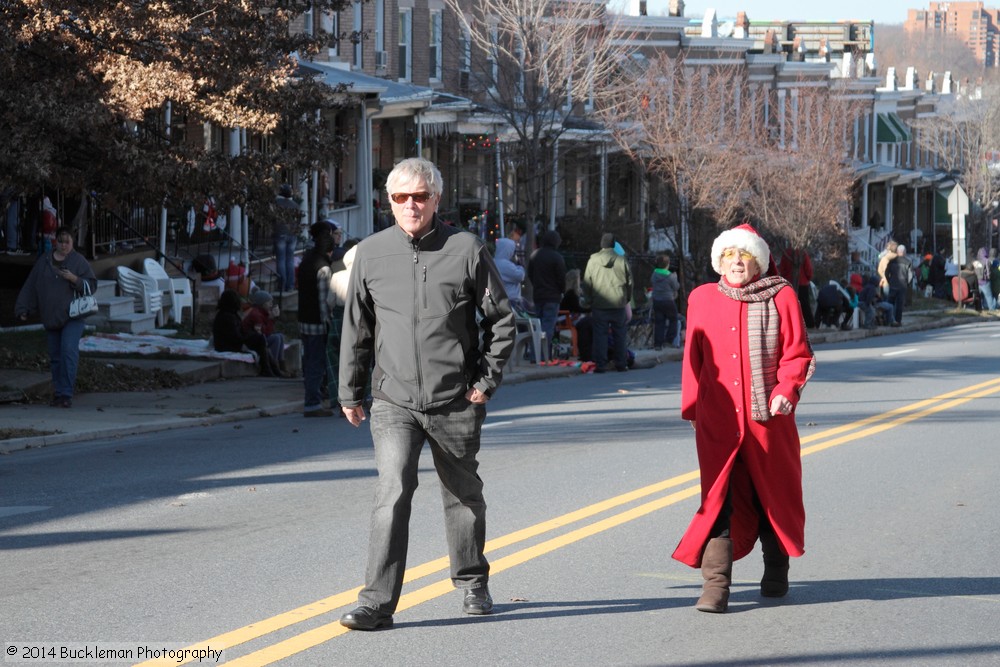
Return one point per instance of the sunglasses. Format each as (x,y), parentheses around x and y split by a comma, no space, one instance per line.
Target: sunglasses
(731,253)
(418,197)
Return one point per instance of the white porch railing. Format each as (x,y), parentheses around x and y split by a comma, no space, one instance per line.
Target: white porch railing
(869,242)
(351,220)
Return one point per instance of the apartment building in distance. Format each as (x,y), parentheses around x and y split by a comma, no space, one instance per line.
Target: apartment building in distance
(976,25)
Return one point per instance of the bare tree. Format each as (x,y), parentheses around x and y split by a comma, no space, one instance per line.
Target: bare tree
(965,137)
(731,149)
(687,127)
(535,63)
(801,174)
(929,53)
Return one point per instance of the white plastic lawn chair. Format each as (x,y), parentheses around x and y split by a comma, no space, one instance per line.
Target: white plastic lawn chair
(145,291)
(176,292)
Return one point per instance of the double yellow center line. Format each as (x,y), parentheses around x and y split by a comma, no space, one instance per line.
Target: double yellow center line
(811,444)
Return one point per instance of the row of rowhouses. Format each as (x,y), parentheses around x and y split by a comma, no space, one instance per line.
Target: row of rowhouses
(417,85)
(418,93)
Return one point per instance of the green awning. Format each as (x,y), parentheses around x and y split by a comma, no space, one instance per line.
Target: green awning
(941,215)
(901,126)
(890,129)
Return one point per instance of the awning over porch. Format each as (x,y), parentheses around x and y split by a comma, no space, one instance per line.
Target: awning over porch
(890,128)
(941,215)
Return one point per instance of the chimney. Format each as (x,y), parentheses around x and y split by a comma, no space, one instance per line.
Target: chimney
(710,24)
(770,41)
(911,79)
(847,65)
(676,7)
(742,28)
(890,79)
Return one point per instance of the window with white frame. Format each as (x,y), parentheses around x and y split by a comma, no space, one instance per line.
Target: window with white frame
(493,59)
(465,50)
(405,43)
(568,103)
(307,21)
(380,25)
(358,28)
(436,52)
(519,54)
(330,22)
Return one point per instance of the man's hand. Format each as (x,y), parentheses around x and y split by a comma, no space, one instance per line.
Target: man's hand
(355,415)
(475,396)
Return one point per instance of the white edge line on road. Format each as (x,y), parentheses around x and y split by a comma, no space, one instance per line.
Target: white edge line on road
(896,353)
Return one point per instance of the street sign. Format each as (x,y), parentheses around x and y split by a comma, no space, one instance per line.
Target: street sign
(958,207)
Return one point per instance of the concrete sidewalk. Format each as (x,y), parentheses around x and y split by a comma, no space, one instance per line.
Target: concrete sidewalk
(238,398)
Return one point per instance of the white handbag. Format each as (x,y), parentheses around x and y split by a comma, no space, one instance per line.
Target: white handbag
(83,305)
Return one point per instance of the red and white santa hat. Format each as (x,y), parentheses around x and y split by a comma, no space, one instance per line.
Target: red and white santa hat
(743,237)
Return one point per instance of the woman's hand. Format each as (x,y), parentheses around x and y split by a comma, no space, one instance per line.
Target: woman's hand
(780,406)
(68,275)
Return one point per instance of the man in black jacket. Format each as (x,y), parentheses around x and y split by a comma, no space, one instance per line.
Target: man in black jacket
(899,275)
(547,274)
(426,304)
(314,284)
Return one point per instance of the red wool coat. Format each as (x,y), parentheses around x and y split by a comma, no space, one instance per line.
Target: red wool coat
(734,450)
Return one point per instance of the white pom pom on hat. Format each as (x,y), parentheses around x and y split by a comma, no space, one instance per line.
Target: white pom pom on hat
(743,237)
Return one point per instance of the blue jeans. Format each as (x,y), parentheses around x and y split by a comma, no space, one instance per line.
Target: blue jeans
(897,297)
(989,303)
(284,258)
(13,220)
(548,313)
(663,312)
(453,435)
(614,318)
(313,369)
(64,356)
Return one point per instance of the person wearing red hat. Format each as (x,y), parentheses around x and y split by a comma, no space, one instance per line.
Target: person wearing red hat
(746,361)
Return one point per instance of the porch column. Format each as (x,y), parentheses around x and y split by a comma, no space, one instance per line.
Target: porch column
(500,218)
(603,209)
(234,223)
(864,203)
(363,176)
(555,186)
(163,209)
(888,206)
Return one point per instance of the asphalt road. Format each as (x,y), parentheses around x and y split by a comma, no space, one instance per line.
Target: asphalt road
(251,537)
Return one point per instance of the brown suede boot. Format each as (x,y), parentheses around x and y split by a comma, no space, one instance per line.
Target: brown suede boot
(774,584)
(717,570)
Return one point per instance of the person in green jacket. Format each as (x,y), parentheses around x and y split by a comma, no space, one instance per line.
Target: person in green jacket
(607,289)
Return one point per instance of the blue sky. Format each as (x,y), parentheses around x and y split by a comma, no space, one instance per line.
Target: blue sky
(880,11)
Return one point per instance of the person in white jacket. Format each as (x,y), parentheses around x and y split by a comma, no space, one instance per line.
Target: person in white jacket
(511,274)
(336,298)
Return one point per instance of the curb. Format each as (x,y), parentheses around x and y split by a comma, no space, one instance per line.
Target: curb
(645,359)
(38,441)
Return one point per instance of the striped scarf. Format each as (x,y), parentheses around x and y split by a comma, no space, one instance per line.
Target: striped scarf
(763,328)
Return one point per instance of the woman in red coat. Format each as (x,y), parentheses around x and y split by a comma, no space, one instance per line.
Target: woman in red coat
(746,360)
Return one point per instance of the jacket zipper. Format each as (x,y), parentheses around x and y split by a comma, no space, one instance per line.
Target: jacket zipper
(421,289)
